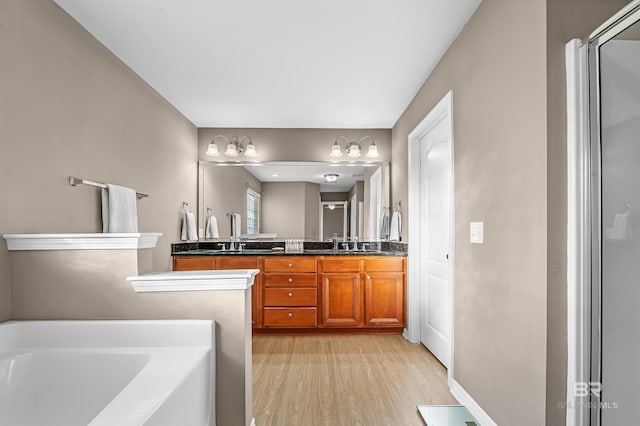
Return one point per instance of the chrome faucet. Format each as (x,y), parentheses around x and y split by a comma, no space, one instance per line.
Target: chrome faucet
(355,243)
(223,247)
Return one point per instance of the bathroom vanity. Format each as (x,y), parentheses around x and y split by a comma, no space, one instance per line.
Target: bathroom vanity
(314,292)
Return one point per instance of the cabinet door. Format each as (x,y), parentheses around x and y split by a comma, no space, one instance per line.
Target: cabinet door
(341,299)
(384,299)
(192,263)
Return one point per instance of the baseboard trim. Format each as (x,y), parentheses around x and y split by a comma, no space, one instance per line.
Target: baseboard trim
(465,399)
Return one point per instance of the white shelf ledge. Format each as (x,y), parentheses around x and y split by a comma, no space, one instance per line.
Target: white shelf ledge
(81,241)
(237,279)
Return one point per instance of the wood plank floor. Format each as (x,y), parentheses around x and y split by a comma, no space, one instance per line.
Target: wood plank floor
(344,380)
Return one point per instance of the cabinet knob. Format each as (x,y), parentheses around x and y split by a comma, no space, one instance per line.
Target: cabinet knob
(290,280)
(291,265)
(368,277)
(290,294)
(290,314)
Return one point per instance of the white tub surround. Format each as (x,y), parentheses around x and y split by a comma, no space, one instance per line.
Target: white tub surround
(95,241)
(150,372)
(241,279)
(228,293)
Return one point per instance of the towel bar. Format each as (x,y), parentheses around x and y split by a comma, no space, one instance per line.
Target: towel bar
(73,181)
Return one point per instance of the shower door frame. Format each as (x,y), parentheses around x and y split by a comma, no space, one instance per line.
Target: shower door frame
(614,26)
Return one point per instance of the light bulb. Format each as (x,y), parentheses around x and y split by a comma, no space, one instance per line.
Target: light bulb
(231,150)
(251,150)
(212,150)
(336,151)
(373,151)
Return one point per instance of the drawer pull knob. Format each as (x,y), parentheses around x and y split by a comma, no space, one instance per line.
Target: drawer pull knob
(291,265)
(290,294)
(290,314)
(368,277)
(290,280)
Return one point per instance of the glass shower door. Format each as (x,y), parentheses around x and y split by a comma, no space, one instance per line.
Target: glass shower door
(616,280)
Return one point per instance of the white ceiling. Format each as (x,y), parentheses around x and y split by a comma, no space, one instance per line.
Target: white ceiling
(348,174)
(279,63)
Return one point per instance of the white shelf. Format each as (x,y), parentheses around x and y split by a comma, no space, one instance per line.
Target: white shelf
(240,279)
(81,241)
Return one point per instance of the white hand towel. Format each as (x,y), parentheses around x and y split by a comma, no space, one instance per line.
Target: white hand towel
(396,227)
(119,209)
(183,232)
(211,230)
(384,228)
(192,230)
(236,222)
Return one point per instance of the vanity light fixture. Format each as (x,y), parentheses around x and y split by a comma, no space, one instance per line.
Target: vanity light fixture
(353,148)
(234,147)
(331,177)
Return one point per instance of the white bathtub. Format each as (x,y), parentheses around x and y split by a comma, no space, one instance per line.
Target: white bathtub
(107,373)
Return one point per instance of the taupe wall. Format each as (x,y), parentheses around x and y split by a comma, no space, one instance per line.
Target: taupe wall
(284,207)
(497,71)
(566,19)
(69,107)
(224,191)
(311,211)
(294,144)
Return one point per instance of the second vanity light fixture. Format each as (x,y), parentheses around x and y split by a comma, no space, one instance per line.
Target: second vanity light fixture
(234,148)
(353,148)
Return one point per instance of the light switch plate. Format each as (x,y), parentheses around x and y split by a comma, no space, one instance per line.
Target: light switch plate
(476,232)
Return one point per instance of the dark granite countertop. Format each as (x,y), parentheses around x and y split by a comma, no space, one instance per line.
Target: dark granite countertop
(268,252)
(210,248)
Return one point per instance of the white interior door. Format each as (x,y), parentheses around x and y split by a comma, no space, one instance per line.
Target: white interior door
(435,187)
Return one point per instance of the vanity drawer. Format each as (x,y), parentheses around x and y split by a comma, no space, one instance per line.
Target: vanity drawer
(229,262)
(385,264)
(290,264)
(290,317)
(340,264)
(192,263)
(292,296)
(290,280)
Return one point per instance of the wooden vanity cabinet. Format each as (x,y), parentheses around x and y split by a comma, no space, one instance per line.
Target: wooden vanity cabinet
(341,292)
(193,263)
(290,292)
(385,292)
(335,293)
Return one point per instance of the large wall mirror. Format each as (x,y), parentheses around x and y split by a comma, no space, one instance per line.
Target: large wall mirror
(305,200)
